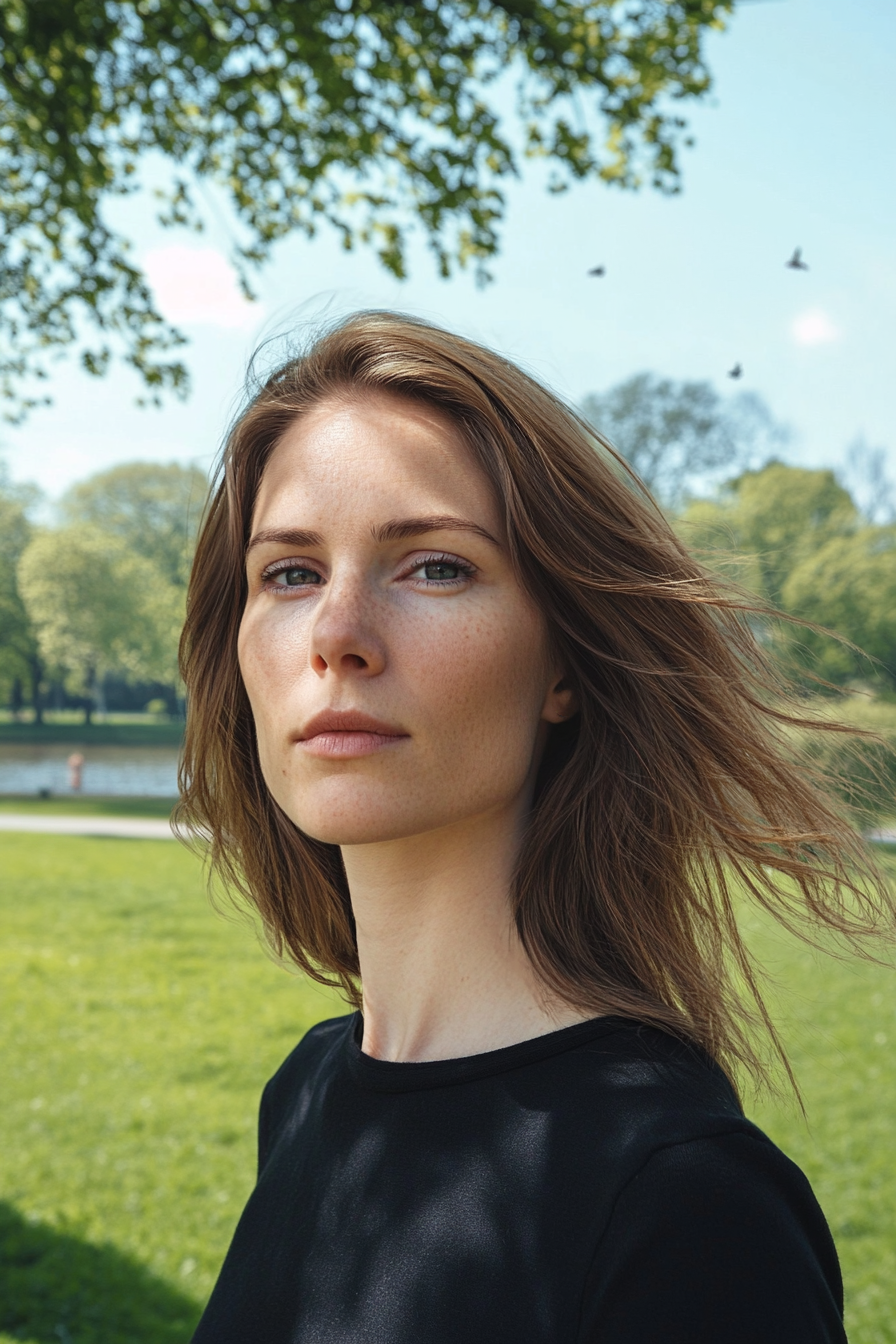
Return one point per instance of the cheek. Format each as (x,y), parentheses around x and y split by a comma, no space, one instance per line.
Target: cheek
(269,652)
(481,686)
(268,656)
(254,668)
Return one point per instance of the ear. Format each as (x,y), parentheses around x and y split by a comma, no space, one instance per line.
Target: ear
(561,701)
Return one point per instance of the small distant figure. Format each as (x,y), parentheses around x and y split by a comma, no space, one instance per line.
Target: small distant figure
(75,768)
(796,262)
(736,371)
(598,270)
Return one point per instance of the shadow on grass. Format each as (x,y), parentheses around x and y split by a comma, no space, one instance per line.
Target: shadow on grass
(58,1289)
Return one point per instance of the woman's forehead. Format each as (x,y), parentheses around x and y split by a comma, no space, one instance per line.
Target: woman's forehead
(377,453)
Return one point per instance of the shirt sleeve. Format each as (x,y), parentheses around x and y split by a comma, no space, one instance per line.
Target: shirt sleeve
(264,1128)
(715,1241)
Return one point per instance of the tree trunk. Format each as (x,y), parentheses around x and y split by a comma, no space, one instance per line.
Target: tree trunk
(99,694)
(36,673)
(91,697)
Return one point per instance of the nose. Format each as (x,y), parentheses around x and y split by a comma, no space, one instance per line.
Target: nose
(344,638)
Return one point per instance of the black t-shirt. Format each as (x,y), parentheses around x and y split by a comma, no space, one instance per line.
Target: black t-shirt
(598,1185)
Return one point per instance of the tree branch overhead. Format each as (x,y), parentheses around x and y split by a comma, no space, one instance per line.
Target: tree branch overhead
(371,117)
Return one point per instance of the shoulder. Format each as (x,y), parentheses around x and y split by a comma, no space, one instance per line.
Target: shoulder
(646,1090)
(732,1242)
(318,1043)
(706,1210)
(318,1048)
(629,1053)
(314,1058)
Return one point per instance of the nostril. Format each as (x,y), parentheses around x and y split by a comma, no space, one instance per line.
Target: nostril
(354,660)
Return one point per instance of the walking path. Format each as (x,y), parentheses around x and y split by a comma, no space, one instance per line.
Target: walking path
(146,828)
(129,828)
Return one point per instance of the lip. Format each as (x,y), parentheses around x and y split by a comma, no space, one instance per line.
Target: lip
(347,733)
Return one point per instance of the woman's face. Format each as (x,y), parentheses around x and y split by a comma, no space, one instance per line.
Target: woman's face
(398,674)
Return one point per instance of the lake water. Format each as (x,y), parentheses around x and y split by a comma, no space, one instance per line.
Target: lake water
(146,772)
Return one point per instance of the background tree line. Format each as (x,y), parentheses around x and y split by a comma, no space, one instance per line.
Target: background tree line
(100,595)
(797,538)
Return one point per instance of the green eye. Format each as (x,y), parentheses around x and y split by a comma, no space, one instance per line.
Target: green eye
(295,578)
(441,569)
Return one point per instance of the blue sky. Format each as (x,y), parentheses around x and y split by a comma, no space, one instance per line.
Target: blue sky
(794,147)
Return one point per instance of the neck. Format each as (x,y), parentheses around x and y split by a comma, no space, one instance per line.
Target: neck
(443,970)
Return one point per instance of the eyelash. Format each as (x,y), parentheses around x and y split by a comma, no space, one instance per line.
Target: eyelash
(466,572)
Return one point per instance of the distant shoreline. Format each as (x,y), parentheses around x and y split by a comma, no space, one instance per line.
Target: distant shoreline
(88,735)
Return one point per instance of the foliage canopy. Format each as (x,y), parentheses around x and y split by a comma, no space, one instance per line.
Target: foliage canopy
(97,606)
(19,658)
(849,584)
(18,648)
(104,593)
(795,538)
(771,519)
(675,434)
(154,507)
(374,116)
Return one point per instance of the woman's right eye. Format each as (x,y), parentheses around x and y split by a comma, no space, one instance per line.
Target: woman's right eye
(294,576)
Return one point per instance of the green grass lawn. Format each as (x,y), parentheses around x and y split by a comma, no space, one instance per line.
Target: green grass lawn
(138,1029)
(838,1020)
(75,806)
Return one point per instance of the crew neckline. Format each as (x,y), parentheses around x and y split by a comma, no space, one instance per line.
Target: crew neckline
(386,1075)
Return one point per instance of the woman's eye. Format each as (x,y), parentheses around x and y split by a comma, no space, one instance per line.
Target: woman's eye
(441,569)
(294,577)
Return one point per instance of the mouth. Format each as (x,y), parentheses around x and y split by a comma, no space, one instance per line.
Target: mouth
(343,734)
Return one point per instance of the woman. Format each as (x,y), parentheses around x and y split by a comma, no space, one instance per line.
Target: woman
(487,749)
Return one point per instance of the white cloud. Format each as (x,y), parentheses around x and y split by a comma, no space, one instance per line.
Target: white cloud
(813,327)
(198,285)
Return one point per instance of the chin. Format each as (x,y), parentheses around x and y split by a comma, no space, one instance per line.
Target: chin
(367,816)
(351,817)
(358,830)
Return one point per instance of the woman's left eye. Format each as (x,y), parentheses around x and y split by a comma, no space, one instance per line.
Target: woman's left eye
(442,570)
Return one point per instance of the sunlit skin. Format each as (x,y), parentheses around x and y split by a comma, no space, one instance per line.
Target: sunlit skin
(379,585)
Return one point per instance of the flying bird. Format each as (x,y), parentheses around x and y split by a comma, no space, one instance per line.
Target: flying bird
(598,270)
(796,262)
(736,372)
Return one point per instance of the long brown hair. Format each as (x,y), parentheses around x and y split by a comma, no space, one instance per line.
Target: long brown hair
(671,792)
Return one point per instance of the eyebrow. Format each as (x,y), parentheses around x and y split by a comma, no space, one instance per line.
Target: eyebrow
(397,529)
